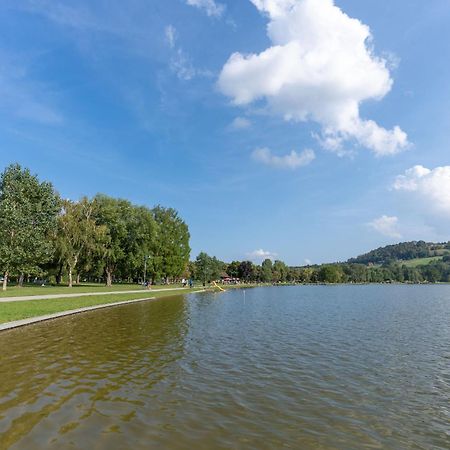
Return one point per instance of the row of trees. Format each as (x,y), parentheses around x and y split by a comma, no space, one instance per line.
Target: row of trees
(402,252)
(207,268)
(102,237)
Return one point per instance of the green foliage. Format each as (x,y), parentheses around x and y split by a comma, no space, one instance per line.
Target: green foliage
(401,252)
(28,211)
(170,250)
(266,271)
(79,239)
(100,238)
(246,271)
(331,274)
(207,268)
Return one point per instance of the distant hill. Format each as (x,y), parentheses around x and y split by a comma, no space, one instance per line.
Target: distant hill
(404,251)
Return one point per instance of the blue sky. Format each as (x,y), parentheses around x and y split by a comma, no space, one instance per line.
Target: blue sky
(304,130)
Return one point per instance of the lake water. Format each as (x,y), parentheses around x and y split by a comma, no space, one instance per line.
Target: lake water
(309,367)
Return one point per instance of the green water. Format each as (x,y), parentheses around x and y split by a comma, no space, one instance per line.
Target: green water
(343,367)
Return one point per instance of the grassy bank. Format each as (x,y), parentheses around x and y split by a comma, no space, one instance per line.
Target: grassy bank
(10,311)
(15,291)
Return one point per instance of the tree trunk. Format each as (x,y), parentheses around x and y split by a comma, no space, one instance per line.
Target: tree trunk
(5,281)
(78,278)
(59,276)
(70,277)
(20,283)
(108,277)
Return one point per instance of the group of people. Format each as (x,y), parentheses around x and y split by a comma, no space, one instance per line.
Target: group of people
(186,282)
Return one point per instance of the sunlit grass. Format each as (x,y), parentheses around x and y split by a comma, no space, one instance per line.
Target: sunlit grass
(17,310)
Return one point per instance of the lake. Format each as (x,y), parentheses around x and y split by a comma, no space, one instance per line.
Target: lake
(307,367)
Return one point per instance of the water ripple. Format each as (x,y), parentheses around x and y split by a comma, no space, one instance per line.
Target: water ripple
(344,367)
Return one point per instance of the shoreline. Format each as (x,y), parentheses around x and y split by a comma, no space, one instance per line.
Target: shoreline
(14,324)
(24,322)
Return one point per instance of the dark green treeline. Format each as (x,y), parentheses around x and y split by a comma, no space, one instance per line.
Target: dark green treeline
(96,238)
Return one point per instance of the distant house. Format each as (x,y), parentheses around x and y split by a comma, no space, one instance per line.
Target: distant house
(226,279)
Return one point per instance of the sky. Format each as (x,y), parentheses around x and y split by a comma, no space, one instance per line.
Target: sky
(309,131)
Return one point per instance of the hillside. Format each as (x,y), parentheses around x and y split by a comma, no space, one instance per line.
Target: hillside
(405,251)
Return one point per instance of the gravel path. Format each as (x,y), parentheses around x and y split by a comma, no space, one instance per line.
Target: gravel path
(84,294)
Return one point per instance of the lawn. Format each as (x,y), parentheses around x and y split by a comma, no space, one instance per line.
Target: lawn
(14,291)
(421,261)
(10,311)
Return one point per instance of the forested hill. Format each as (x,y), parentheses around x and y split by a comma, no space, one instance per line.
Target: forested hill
(403,252)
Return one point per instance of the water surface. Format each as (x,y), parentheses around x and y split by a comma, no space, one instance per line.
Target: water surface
(314,367)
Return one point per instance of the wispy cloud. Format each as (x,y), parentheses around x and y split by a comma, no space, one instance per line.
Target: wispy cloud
(291,161)
(260,255)
(387,226)
(171,35)
(180,62)
(240,123)
(211,7)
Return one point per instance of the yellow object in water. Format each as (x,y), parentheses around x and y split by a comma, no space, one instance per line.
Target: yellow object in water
(217,286)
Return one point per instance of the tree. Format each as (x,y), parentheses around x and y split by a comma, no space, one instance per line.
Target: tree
(141,239)
(280,271)
(266,271)
(28,211)
(170,255)
(204,267)
(233,269)
(78,237)
(330,274)
(114,215)
(246,270)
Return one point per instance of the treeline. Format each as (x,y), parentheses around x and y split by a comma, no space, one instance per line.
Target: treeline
(104,238)
(403,251)
(206,268)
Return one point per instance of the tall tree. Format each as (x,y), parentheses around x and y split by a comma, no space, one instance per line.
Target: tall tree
(114,214)
(78,234)
(28,211)
(171,250)
(204,267)
(266,271)
(246,270)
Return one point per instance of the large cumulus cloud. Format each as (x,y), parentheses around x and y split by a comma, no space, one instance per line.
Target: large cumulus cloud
(320,67)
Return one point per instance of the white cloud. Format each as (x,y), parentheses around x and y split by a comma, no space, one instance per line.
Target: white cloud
(428,188)
(182,66)
(171,35)
(240,123)
(260,255)
(211,7)
(387,226)
(320,67)
(180,62)
(308,262)
(292,160)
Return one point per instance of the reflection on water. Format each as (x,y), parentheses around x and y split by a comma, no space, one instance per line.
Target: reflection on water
(344,367)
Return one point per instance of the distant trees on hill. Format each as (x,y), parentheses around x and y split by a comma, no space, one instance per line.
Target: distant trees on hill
(403,252)
(102,238)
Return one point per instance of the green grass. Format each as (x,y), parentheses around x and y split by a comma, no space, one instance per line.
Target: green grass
(10,311)
(14,291)
(420,261)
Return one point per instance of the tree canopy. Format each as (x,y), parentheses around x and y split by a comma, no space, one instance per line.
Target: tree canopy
(28,213)
(100,238)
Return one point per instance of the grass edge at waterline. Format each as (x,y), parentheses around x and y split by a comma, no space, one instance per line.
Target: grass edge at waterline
(13,311)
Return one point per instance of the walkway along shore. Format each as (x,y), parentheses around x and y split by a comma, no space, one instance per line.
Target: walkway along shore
(84,294)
